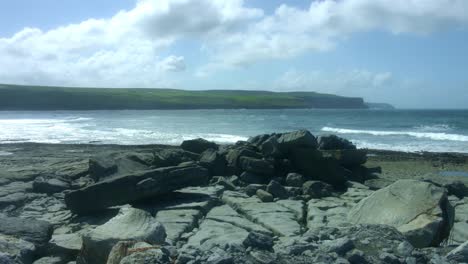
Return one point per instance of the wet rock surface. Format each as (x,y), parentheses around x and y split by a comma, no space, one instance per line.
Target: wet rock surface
(278,198)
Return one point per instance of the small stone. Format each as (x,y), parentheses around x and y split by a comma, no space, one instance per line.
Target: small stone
(264,196)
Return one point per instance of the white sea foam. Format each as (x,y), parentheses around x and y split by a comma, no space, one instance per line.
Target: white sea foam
(427,135)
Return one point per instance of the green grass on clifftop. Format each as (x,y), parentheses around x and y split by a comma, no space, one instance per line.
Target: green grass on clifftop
(18,97)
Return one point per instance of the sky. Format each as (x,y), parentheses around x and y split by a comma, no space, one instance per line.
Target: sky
(410,53)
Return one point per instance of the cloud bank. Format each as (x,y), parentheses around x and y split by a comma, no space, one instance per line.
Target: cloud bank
(134,47)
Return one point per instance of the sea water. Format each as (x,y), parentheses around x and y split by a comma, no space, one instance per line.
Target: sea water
(403,130)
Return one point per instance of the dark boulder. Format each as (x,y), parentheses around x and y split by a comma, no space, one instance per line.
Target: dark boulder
(313,165)
(330,142)
(277,190)
(258,240)
(33,231)
(294,179)
(316,189)
(102,166)
(133,187)
(213,161)
(296,139)
(234,154)
(348,158)
(198,145)
(457,188)
(271,147)
(249,177)
(258,166)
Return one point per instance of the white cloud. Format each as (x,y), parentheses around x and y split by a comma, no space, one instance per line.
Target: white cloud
(121,51)
(173,64)
(291,31)
(126,49)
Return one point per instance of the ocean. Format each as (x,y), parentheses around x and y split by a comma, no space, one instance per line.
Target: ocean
(402,130)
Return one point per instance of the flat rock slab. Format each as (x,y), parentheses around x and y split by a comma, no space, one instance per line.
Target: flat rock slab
(281,220)
(130,188)
(129,224)
(177,222)
(223,227)
(15,250)
(328,212)
(34,231)
(418,209)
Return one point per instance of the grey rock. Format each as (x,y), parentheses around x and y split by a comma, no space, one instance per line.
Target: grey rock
(223,227)
(34,231)
(405,248)
(264,196)
(129,188)
(316,189)
(295,139)
(378,183)
(313,165)
(294,179)
(271,147)
(262,257)
(277,190)
(227,184)
(339,246)
(173,157)
(198,145)
(15,250)
(252,178)
(330,142)
(357,257)
(102,166)
(257,166)
(129,224)
(459,254)
(49,185)
(258,240)
(178,221)
(347,157)
(220,258)
(425,217)
(457,188)
(50,260)
(251,189)
(213,161)
(46,208)
(389,258)
(283,221)
(65,244)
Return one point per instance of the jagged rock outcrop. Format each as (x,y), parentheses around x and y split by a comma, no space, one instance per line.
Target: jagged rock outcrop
(129,188)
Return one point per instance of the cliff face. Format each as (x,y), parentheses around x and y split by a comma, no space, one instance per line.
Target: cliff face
(15,97)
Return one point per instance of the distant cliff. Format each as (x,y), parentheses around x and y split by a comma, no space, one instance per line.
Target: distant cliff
(18,97)
(382,106)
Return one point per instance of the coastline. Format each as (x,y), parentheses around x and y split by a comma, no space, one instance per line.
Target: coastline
(294,201)
(395,164)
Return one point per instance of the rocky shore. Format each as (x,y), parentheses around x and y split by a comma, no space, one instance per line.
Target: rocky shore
(279,198)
